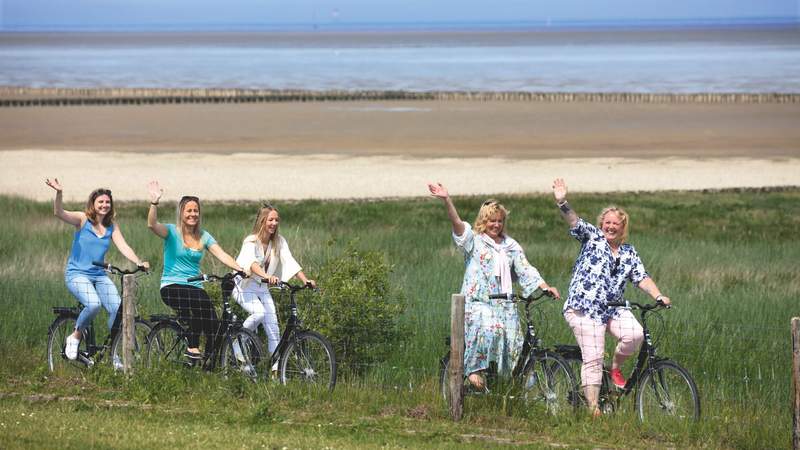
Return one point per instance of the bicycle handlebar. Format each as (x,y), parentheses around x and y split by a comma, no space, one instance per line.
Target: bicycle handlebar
(116,270)
(645,307)
(539,293)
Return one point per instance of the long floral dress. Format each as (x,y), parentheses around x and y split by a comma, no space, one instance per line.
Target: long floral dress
(491,327)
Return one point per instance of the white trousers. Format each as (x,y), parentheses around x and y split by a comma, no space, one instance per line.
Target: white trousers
(257,301)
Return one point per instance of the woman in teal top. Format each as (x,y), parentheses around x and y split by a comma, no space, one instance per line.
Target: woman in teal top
(185,244)
(94,232)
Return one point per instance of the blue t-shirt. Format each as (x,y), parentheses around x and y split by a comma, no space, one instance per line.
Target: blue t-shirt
(180,261)
(87,247)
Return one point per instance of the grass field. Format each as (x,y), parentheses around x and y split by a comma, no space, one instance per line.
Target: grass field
(727,259)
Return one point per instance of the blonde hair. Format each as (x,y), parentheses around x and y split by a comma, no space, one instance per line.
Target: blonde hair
(489,209)
(91,213)
(623,218)
(261,232)
(179,222)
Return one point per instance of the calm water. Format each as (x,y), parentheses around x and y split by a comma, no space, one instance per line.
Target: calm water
(568,61)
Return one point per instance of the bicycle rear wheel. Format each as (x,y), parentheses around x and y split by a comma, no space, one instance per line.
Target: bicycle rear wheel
(548,381)
(141,330)
(667,394)
(242,353)
(57,360)
(166,345)
(308,359)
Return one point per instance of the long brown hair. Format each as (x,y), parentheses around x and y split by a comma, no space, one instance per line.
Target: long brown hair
(91,213)
(261,233)
(179,222)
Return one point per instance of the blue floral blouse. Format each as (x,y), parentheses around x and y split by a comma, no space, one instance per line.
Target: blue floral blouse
(491,327)
(598,277)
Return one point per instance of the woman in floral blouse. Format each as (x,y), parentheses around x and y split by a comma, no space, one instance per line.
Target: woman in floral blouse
(492,331)
(604,266)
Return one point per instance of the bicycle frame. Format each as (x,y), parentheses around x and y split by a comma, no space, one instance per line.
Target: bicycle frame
(294,324)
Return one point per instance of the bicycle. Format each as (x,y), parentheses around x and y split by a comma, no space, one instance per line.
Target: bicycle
(663,387)
(233,347)
(303,355)
(544,375)
(89,353)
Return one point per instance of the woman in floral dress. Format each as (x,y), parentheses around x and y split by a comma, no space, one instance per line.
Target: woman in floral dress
(493,259)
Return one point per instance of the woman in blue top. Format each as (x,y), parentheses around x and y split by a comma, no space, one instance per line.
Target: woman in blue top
(604,266)
(185,243)
(491,327)
(94,231)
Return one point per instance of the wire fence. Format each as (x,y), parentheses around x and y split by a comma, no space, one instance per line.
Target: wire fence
(740,362)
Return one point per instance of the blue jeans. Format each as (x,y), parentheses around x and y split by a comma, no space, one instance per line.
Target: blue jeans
(92,292)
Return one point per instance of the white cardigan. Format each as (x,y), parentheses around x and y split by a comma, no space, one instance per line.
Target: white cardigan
(284,267)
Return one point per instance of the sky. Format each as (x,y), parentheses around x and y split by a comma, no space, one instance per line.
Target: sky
(111,13)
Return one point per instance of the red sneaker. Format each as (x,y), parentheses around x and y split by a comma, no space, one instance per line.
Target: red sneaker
(617,378)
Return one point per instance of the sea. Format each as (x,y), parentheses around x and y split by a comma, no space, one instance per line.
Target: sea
(746,59)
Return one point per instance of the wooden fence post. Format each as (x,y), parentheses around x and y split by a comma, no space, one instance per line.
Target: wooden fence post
(128,321)
(457,357)
(796,382)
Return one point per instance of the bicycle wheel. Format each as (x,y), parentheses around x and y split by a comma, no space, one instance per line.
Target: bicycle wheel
(667,393)
(243,353)
(548,381)
(308,358)
(141,330)
(57,361)
(166,345)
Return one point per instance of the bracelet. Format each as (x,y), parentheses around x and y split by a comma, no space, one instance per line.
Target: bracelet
(564,207)
(154,203)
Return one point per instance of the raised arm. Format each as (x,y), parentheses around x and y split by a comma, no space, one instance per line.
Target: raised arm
(73,218)
(440,192)
(125,249)
(155,226)
(225,258)
(560,194)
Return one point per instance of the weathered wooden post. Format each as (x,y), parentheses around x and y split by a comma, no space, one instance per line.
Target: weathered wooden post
(456,364)
(796,382)
(128,321)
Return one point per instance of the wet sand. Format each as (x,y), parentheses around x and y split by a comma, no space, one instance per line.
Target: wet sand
(390,149)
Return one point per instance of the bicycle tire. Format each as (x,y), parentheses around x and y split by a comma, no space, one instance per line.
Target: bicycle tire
(141,331)
(308,359)
(668,392)
(243,353)
(57,361)
(548,381)
(166,345)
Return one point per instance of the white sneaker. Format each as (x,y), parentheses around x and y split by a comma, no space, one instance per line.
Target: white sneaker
(237,351)
(71,348)
(117,363)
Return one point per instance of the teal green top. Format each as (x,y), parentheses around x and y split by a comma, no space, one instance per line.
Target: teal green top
(180,261)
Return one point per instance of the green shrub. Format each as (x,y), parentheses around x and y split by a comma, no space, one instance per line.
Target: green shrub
(357,309)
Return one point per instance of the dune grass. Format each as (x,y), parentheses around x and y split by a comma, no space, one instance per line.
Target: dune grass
(727,259)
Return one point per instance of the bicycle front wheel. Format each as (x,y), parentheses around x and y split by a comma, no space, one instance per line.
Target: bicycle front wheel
(243,353)
(667,394)
(57,360)
(548,381)
(309,359)
(166,346)
(141,330)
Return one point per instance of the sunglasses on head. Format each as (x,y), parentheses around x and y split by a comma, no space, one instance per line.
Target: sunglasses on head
(266,205)
(489,202)
(103,191)
(190,198)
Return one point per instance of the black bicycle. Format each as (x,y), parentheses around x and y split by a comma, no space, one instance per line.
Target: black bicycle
(663,388)
(89,353)
(303,355)
(233,348)
(544,376)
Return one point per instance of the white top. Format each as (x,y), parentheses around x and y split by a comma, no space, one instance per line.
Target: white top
(283,267)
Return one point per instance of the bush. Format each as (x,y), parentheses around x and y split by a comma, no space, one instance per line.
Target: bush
(357,310)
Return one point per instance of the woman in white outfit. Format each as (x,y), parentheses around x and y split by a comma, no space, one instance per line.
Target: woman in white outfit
(266,255)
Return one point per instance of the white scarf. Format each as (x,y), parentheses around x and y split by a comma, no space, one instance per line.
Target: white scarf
(502,269)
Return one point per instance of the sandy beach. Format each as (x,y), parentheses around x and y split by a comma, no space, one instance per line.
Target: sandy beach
(390,149)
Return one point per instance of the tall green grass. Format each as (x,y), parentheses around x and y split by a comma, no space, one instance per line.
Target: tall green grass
(727,259)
